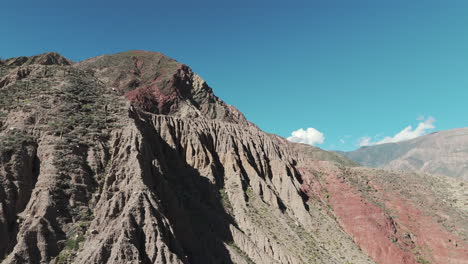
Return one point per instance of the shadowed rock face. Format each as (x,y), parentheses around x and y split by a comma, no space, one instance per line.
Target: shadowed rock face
(130,158)
(444,152)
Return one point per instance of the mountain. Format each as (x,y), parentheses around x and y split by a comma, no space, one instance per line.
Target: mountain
(131,158)
(443,152)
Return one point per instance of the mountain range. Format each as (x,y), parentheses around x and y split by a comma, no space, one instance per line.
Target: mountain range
(442,152)
(131,158)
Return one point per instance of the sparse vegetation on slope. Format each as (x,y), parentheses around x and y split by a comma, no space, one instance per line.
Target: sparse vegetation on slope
(131,158)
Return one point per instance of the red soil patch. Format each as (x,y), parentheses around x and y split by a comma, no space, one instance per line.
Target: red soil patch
(370,227)
(408,235)
(442,246)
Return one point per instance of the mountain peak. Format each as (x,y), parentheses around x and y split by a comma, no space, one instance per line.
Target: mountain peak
(161,85)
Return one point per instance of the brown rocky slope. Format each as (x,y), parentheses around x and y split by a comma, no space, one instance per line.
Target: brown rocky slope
(131,158)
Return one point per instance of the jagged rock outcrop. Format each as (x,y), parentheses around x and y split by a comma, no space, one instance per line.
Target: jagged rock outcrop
(130,158)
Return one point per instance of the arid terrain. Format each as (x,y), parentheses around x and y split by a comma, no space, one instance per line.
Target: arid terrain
(131,158)
(442,152)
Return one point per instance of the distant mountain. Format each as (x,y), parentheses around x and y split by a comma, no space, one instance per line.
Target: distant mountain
(444,152)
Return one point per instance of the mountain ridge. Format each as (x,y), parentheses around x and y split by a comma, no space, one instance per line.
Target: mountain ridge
(440,152)
(93,174)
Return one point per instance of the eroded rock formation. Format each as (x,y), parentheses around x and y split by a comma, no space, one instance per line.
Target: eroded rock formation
(131,158)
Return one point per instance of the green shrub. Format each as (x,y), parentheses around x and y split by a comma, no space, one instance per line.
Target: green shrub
(14,139)
(421,260)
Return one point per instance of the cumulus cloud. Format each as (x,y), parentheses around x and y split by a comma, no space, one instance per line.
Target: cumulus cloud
(410,133)
(407,133)
(309,136)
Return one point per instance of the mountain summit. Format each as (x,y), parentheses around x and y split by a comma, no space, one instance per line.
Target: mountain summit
(161,85)
(131,158)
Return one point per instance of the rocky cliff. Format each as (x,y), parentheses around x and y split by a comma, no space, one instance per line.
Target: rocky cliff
(131,158)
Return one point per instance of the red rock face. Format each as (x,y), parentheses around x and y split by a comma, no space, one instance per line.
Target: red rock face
(387,227)
(162,95)
(144,97)
(153,100)
(147,94)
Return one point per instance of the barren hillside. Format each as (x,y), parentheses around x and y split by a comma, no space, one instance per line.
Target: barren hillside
(131,158)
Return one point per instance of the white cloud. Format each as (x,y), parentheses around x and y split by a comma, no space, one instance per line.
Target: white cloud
(310,136)
(405,134)
(410,133)
(342,141)
(365,141)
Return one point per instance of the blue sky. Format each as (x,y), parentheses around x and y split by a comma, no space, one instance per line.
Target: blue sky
(351,70)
